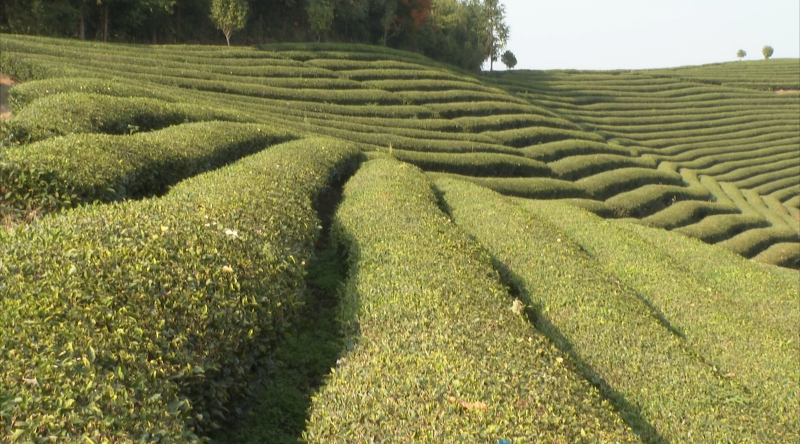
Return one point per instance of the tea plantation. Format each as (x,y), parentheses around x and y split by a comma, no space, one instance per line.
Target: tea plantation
(345,243)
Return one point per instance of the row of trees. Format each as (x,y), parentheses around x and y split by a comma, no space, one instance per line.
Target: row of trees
(461,32)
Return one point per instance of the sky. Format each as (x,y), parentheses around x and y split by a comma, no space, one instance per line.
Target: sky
(637,34)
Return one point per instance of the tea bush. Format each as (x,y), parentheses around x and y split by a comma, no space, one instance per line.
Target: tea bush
(439,355)
(74,113)
(151,314)
(79,168)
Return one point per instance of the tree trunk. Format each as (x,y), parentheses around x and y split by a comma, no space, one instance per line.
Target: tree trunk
(105,22)
(82,28)
(154,37)
(228,38)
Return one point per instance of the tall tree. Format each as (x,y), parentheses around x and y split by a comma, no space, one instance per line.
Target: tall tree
(495,33)
(767,52)
(454,34)
(229,16)
(388,18)
(320,16)
(740,53)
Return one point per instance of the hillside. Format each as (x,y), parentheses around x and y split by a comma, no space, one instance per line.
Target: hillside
(522,255)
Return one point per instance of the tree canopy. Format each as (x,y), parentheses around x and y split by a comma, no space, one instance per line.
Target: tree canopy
(767,52)
(229,16)
(509,59)
(461,32)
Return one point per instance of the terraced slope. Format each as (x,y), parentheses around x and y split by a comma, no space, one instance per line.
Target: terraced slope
(470,315)
(734,126)
(598,139)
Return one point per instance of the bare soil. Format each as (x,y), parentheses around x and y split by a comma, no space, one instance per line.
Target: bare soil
(784,91)
(5,84)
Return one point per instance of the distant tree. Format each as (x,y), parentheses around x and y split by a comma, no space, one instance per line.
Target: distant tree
(455,34)
(741,54)
(495,35)
(320,16)
(229,16)
(767,51)
(509,59)
(388,18)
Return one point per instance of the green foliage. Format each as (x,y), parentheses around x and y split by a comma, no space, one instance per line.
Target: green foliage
(534,136)
(320,16)
(528,187)
(229,16)
(767,52)
(509,59)
(439,354)
(659,337)
(74,113)
(578,166)
(604,185)
(22,69)
(148,326)
(82,168)
(23,94)
(495,32)
(741,54)
(783,254)
(474,164)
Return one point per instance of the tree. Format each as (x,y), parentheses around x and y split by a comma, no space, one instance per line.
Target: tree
(495,35)
(320,16)
(741,54)
(509,59)
(229,16)
(767,51)
(387,19)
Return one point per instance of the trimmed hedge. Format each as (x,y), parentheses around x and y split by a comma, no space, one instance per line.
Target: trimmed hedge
(610,183)
(553,151)
(477,109)
(580,166)
(752,242)
(739,316)
(768,183)
(22,69)
(687,212)
(150,315)
(474,164)
(776,218)
(783,254)
(73,113)
(719,227)
(528,187)
(78,168)
(650,199)
(619,339)
(525,137)
(21,95)
(786,190)
(597,207)
(439,355)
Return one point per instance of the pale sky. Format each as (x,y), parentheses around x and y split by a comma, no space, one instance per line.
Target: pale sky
(633,34)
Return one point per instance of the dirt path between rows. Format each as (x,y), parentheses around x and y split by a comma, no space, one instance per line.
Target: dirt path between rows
(5,84)
(784,91)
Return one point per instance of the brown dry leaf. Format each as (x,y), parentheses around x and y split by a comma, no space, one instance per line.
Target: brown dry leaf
(474,405)
(730,375)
